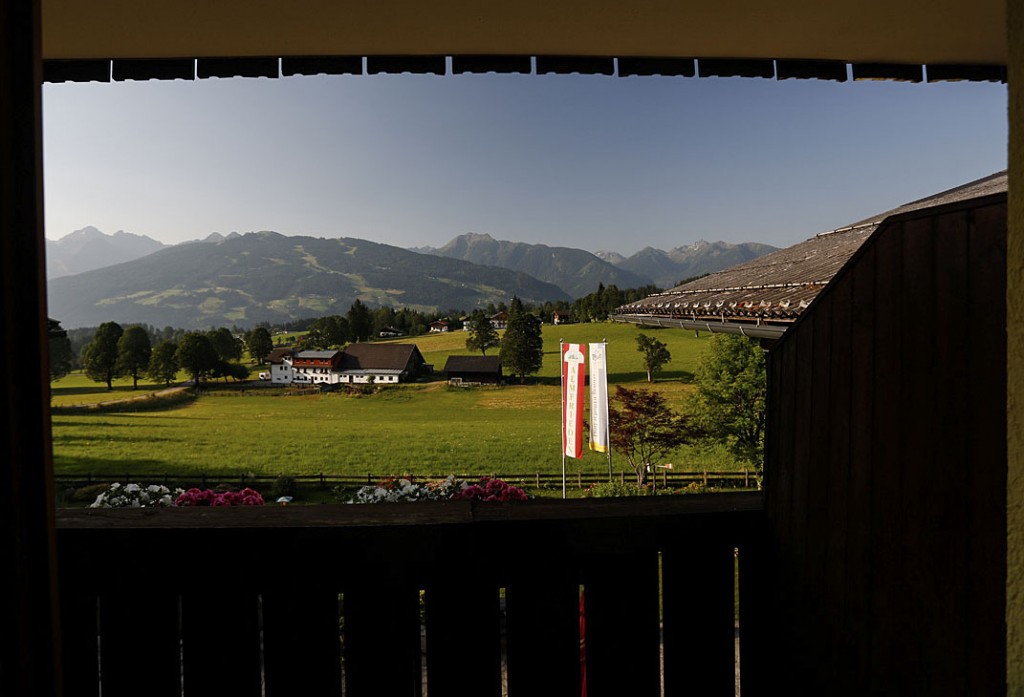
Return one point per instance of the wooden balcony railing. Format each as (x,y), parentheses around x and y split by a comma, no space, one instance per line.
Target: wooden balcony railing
(450,598)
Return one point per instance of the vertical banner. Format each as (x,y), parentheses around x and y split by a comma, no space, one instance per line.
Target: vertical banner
(573,371)
(598,398)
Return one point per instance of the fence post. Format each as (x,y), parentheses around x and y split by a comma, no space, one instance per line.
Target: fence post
(622,478)
(705,478)
(579,480)
(538,480)
(369,479)
(323,484)
(746,479)
(202,479)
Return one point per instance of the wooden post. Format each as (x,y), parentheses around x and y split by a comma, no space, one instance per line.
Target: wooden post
(28,610)
(579,480)
(538,480)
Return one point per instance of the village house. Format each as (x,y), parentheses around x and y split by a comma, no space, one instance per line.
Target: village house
(357,364)
(439,326)
(473,370)
(280,360)
(561,317)
(499,320)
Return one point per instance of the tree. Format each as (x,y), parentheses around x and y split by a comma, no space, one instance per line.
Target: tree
(656,354)
(731,397)
(644,429)
(327,332)
(482,334)
(522,347)
(228,348)
(163,364)
(196,356)
(360,321)
(61,355)
(133,352)
(100,356)
(259,343)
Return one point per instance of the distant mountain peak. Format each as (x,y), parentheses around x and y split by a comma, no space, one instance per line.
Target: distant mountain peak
(90,248)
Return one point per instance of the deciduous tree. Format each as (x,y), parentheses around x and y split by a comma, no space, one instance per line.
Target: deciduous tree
(61,355)
(482,334)
(100,356)
(655,353)
(326,333)
(732,391)
(163,364)
(196,356)
(133,353)
(259,343)
(228,348)
(644,429)
(522,347)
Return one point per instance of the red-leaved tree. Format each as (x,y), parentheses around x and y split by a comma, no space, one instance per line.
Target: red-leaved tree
(644,429)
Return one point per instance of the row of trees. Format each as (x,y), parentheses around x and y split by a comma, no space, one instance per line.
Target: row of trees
(116,352)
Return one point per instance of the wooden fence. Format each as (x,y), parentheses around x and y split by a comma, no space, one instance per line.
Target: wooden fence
(744,479)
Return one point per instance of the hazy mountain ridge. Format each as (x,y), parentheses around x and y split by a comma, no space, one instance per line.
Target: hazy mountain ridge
(268,276)
(666,269)
(89,248)
(576,271)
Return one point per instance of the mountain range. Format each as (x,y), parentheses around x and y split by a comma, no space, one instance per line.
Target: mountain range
(575,271)
(266,276)
(578,272)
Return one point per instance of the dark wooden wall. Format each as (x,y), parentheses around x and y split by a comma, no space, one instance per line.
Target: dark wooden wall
(886,467)
(27,608)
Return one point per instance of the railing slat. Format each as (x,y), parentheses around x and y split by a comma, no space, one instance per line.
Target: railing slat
(139,642)
(697,616)
(79,653)
(621,625)
(382,637)
(542,609)
(220,642)
(301,646)
(463,634)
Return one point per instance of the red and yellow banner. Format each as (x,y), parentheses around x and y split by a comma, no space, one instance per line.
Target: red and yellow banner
(574,367)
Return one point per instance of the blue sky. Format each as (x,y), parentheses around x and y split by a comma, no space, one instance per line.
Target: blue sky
(583,161)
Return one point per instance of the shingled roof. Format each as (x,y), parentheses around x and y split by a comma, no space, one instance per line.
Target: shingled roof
(762,297)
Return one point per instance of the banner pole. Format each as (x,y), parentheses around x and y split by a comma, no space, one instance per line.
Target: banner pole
(561,376)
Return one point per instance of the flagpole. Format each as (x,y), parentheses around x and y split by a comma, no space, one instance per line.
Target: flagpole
(608,422)
(561,376)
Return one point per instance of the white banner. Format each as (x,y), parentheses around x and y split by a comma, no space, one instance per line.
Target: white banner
(598,398)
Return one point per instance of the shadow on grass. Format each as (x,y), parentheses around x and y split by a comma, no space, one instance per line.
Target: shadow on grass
(683,376)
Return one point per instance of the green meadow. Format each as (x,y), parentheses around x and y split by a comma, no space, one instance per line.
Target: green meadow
(420,428)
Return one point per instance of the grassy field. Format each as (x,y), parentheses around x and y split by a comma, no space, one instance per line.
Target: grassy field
(417,428)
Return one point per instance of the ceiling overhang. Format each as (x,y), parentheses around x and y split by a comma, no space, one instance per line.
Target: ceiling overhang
(868,31)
